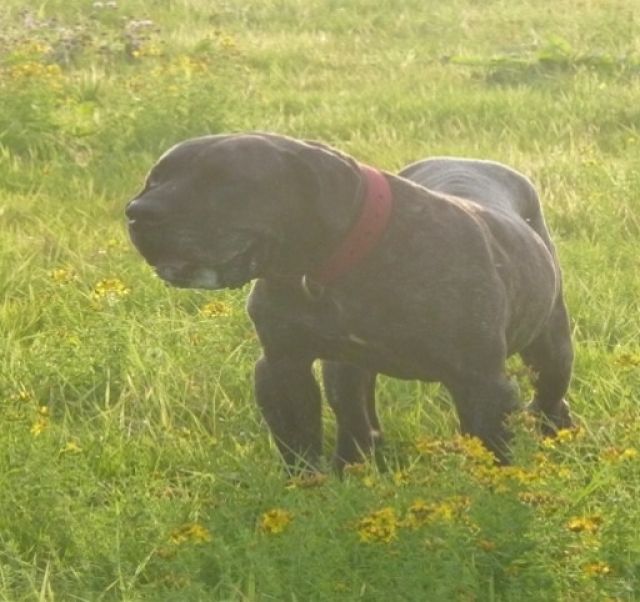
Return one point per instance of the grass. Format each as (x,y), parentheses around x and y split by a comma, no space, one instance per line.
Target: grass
(133,463)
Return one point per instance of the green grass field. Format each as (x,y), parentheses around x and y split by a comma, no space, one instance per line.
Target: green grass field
(133,463)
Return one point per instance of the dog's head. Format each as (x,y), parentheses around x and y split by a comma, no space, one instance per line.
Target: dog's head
(218,211)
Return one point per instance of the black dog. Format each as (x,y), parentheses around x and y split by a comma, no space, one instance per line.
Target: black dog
(440,278)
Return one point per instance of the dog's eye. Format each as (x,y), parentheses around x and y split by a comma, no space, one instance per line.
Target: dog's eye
(149,183)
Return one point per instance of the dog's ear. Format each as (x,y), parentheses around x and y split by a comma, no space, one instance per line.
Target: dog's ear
(329,183)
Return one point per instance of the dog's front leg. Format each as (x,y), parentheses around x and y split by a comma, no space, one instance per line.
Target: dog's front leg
(290,400)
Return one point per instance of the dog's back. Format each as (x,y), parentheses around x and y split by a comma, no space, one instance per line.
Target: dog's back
(488,183)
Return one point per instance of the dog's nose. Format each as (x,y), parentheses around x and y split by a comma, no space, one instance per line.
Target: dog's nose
(143,210)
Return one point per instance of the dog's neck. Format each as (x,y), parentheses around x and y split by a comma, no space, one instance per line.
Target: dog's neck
(364,234)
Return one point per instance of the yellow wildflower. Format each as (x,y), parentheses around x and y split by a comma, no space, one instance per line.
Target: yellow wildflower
(71,448)
(427,446)
(418,514)
(629,453)
(39,426)
(109,289)
(596,569)
(368,481)
(546,467)
(215,308)
(401,477)
(190,532)
(610,454)
(613,454)
(474,449)
(452,507)
(519,474)
(549,443)
(584,524)
(22,395)
(34,47)
(447,510)
(62,275)
(565,435)
(379,526)
(627,359)
(275,521)
(502,478)
(27,69)
(536,498)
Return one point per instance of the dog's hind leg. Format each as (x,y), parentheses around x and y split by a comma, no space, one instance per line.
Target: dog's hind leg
(550,357)
(483,404)
(350,391)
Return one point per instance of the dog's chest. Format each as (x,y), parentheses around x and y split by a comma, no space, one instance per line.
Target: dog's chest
(347,338)
(335,330)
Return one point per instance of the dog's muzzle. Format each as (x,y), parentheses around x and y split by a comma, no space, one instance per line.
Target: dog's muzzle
(186,257)
(232,273)
(183,275)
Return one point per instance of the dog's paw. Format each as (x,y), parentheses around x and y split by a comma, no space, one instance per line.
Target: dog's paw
(553,417)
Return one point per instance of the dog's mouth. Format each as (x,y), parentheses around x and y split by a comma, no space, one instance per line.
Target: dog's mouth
(234,272)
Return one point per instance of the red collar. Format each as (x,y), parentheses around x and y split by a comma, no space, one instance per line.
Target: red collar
(365,232)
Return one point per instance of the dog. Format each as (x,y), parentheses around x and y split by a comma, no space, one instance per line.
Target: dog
(439,274)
